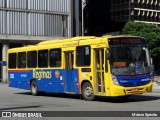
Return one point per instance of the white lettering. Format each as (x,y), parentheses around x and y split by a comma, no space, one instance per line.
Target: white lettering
(11,75)
(138,114)
(34,115)
(151,115)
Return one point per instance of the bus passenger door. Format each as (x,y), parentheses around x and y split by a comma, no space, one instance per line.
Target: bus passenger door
(99,71)
(69,72)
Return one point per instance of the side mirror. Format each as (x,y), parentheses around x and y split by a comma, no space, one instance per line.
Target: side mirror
(152,72)
(152,62)
(108,55)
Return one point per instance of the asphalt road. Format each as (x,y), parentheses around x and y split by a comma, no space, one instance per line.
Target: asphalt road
(12,99)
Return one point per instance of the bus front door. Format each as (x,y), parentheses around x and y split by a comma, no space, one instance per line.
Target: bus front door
(69,72)
(99,71)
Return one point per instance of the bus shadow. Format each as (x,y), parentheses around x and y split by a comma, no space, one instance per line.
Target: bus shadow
(56,95)
(133,98)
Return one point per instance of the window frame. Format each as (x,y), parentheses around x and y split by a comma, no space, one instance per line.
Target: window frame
(20,64)
(82,64)
(45,64)
(12,61)
(32,60)
(51,60)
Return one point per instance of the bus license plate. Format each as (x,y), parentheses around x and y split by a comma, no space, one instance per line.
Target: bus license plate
(135,90)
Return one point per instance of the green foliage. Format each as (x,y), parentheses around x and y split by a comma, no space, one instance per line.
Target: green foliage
(149,31)
(155,52)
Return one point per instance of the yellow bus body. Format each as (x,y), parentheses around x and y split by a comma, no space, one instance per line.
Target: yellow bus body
(98,75)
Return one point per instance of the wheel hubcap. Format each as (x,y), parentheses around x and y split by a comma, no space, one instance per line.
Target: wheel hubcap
(88,91)
(34,88)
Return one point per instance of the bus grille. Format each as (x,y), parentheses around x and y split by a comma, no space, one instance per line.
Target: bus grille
(131,84)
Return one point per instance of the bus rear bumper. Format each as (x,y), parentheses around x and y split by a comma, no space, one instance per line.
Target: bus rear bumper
(122,91)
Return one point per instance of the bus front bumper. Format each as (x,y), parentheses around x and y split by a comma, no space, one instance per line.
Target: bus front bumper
(122,91)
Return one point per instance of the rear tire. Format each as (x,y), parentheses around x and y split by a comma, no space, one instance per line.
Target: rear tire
(34,88)
(87,92)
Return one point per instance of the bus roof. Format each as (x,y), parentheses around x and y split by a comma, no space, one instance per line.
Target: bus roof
(66,40)
(79,38)
(51,42)
(118,36)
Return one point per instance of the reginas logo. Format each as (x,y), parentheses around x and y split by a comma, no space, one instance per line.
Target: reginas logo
(42,74)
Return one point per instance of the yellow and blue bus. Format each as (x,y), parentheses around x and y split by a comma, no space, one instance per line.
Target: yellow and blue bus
(117,66)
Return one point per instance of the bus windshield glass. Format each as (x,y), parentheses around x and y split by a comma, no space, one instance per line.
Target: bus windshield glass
(129,59)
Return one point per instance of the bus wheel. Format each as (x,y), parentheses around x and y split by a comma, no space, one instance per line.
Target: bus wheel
(87,92)
(34,88)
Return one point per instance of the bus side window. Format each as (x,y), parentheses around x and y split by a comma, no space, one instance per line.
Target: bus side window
(43,58)
(32,59)
(22,60)
(55,57)
(83,52)
(12,60)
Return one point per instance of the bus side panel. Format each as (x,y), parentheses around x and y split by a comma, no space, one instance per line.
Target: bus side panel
(19,79)
(49,80)
(13,82)
(58,81)
(76,81)
(71,81)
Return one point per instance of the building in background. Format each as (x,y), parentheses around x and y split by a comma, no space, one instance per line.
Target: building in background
(24,22)
(147,11)
(107,16)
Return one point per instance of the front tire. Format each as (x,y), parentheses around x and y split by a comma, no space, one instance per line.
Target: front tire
(87,92)
(34,88)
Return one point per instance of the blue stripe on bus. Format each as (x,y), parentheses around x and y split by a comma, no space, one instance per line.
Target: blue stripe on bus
(49,80)
(130,81)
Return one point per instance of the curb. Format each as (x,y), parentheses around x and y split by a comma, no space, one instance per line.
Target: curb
(156,87)
(155,91)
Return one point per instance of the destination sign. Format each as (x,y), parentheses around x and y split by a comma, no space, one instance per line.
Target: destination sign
(127,41)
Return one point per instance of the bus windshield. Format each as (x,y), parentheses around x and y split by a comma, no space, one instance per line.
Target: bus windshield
(129,60)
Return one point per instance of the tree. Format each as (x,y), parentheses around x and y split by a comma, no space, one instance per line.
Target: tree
(151,33)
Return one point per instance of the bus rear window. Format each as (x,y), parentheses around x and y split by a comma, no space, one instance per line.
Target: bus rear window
(12,60)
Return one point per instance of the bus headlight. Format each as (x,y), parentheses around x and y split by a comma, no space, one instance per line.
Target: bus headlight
(114,79)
